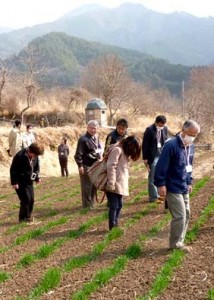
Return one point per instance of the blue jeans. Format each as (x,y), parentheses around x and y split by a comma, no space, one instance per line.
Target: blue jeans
(153,193)
(115,202)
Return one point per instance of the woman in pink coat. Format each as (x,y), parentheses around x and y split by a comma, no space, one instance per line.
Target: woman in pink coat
(118,174)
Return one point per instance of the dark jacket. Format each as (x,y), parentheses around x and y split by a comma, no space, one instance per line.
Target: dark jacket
(112,138)
(86,151)
(149,144)
(63,151)
(170,170)
(21,169)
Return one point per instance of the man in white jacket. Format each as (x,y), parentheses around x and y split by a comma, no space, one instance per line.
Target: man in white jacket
(15,139)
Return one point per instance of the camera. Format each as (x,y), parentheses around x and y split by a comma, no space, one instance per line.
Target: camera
(33,176)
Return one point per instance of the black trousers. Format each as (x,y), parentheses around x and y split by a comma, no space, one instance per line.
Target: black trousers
(115,204)
(26,197)
(64,166)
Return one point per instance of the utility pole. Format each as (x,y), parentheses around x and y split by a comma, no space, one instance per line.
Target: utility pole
(183,99)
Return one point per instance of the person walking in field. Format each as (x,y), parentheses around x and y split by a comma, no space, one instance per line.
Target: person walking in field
(63,153)
(153,140)
(118,174)
(173,178)
(119,133)
(15,139)
(24,171)
(87,152)
(28,137)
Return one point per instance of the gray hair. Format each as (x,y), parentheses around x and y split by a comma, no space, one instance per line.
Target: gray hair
(93,123)
(190,124)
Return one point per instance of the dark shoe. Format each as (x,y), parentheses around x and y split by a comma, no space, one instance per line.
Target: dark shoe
(153,200)
(112,226)
(22,220)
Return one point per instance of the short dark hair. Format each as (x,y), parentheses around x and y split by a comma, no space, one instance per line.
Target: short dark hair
(29,126)
(131,147)
(123,123)
(17,123)
(64,139)
(36,149)
(160,119)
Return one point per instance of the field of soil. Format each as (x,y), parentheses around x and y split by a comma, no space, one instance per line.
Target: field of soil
(72,255)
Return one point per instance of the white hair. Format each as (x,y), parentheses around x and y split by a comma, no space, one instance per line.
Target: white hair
(191,124)
(93,123)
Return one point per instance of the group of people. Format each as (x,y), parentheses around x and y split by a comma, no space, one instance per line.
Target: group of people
(168,160)
(19,140)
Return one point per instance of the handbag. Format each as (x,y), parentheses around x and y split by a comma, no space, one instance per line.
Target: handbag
(98,174)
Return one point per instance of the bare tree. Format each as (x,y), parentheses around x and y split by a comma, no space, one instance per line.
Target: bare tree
(199,96)
(2,82)
(107,78)
(29,80)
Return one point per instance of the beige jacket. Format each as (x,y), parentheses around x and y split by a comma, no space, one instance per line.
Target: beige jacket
(15,141)
(117,171)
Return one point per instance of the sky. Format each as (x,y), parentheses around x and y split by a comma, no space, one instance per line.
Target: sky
(21,13)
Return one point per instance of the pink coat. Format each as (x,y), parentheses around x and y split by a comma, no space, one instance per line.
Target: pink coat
(118,171)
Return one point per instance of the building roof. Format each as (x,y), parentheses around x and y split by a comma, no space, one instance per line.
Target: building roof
(96,104)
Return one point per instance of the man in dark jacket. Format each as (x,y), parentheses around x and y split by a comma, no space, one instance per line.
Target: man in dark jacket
(173,177)
(88,151)
(23,171)
(153,141)
(117,134)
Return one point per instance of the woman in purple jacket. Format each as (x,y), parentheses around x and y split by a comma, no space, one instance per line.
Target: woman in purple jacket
(118,174)
(63,153)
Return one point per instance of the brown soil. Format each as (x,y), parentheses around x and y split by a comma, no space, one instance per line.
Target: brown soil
(192,280)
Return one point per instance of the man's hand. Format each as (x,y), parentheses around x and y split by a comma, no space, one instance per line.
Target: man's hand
(39,181)
(15,186)
(162,191)
(190,188)
(146,164)
(81,170)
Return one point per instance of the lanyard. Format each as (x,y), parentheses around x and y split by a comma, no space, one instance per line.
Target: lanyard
(93,139)
(187,152)
(158,135)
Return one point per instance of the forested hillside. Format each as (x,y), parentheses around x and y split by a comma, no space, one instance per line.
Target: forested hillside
(62,58)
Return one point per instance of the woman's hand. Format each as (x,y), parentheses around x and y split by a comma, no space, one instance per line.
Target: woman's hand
(110,188)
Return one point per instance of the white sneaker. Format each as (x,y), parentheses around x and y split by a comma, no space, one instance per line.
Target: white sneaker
(33,222)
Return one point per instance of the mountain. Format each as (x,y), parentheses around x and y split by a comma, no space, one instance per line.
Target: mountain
(179,38)
(62,58)
(5,30)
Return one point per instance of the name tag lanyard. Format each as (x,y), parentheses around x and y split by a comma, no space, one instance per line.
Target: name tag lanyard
(158,138)
(187,154)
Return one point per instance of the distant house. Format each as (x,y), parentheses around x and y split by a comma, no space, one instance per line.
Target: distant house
(96,109)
